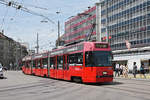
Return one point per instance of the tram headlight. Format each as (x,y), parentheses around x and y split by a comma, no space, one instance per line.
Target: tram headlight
(104,73)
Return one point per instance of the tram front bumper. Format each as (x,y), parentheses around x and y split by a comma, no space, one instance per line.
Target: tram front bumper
(98,79)
(104,76)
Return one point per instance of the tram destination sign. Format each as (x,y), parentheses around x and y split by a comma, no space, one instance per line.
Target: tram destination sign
(100,45)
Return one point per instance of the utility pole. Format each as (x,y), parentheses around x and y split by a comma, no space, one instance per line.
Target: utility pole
(17,56)
(98,22)
(58,28)
(58,31)
(37,42)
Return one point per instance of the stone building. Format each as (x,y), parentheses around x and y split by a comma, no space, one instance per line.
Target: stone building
(11,52)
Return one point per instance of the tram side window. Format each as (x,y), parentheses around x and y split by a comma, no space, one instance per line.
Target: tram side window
(45,62)
(88,59)
(75,59)
(79,59)
(28,64)
(34,64)
(52,62)
(65,65)
(71,59)
(60,62)
(23,63)
(39,64)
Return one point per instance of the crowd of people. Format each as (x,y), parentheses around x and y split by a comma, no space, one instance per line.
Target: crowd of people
(122,70)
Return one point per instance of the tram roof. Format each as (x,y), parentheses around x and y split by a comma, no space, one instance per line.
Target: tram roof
(59,51)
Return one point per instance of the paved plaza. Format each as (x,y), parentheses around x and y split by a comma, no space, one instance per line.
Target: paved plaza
(18,86)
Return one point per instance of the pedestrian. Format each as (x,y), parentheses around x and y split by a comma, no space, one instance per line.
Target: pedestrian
(134,69)
(142,70)
(1,67)
(125,71)
(117,70)
(121,69)
(1,71)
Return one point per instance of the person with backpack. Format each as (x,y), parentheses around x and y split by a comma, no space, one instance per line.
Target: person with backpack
(142,70)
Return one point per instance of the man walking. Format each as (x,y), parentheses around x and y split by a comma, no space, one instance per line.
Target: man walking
(134,69)
(117,70)
(1,71)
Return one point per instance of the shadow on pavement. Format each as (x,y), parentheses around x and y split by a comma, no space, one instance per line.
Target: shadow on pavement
(101,84)
(4,78)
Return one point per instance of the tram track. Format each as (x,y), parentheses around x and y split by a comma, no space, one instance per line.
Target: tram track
(134,93)
(132,88)
(136,82)
(23,87)
(52,85)
(51,89)
(57,88)
(129,89)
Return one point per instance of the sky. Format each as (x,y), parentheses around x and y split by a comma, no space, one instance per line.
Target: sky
(23,26)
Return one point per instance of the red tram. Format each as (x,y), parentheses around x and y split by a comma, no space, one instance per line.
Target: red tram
(89,62)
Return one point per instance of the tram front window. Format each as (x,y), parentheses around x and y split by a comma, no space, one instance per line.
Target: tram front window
(98,58)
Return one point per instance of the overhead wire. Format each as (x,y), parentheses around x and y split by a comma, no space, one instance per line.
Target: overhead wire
(16,5)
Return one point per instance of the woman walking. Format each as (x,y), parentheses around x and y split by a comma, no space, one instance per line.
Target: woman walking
(125,71)
(142,70)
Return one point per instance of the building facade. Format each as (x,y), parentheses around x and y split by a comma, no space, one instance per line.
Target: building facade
(126,26)
(11,52)
(82,27)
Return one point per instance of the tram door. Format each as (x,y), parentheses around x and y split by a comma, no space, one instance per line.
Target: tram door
(66,68)
(44,67)
(60,73)
(55,68)
(52,67)
(38,67)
